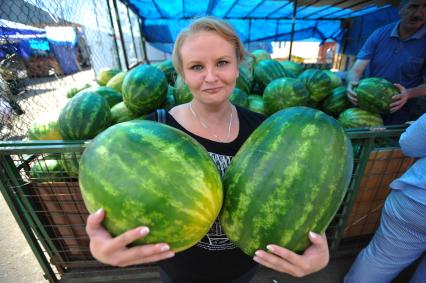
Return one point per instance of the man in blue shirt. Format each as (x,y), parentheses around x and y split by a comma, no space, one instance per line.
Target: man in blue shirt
(397,53)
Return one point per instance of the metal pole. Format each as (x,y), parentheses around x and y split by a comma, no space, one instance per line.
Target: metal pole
(113,34)
(143,40)
(249,35)
(131,32)
(126,61)
(292,28)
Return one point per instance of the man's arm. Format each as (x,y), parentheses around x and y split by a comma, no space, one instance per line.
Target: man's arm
(353,77)
(405,94)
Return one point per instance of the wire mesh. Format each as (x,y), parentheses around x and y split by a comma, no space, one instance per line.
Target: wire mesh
(48,47)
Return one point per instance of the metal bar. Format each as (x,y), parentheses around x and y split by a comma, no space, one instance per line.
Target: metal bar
(123,46)
(143,40)
(113,33)
(351,11)
(232,7)
(183,8)
(276,28)
(158,9)
(249,35)
(323,9)
(209,7)
(131,32)
(17,211)
(293,26)
(251,11)
(276,10)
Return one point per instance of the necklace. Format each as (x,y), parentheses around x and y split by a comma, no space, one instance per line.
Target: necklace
(204,125)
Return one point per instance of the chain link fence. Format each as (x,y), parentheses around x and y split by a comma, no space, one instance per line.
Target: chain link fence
(48,47)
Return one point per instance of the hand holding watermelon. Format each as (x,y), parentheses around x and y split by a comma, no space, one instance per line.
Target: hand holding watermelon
(351,92)
(399,99)
(314,258)
(115,251)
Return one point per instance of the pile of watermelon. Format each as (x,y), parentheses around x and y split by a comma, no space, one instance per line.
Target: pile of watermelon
(261,195)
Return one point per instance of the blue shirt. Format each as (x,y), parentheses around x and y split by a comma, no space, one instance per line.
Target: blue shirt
(413,143)
(398,61)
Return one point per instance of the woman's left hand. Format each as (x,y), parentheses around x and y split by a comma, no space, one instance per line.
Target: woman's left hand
(399,99)
(314,258)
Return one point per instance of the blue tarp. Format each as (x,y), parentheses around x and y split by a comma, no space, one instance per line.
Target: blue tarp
(254,20)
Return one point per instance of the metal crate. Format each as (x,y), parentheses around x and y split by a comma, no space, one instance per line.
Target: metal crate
(51,213)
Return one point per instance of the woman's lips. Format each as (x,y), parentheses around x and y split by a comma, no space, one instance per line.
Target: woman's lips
(213,89)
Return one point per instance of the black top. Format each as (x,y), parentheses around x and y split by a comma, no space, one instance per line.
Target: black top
(215,258)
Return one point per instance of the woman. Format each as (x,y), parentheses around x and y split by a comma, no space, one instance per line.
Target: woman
(207,55)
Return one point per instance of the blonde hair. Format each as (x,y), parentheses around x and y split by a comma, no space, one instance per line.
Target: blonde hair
(211,24)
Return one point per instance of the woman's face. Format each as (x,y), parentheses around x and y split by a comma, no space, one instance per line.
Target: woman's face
(210,67)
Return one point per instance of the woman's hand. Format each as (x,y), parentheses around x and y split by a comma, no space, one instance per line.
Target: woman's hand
(399,99)
(351,93)
(315,257)
(114,251)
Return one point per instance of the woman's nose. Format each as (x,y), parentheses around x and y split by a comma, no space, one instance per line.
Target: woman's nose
(211,75)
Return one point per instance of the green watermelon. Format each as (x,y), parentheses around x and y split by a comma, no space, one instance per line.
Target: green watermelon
(105,74)
(337,102)
(283,93)
(268,70)
(69,161)
(336,81)
(292,69)
(256,103)
(170,101)
(112,96)
(117,81)
(245,79)
(73,91)
(84,116)
(48,169)
(375,94)
(318,84)
(182,92)
(148,173)
(120,113)
(359,118)
(260,55)
(144,89)
(169,71)
(287,179)
(45,127)
(239,97)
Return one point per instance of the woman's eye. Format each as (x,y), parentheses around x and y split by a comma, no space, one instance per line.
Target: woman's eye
(197,67)
(222,63)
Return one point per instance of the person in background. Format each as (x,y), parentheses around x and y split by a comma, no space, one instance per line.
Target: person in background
(207,55)
(401,236)
(397,53)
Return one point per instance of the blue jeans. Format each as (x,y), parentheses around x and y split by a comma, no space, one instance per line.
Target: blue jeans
(398,242)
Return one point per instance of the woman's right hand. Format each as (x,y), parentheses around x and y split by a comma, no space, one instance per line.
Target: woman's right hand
(114,251)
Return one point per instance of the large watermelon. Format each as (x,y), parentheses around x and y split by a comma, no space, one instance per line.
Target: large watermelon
(283,93)
(245,79)
(256,103)
(169,71)
(73,91)
(144,89)
(181,92)
(268,70)
(47,169)
(105,74)
(45,127)
(260,55)
(117,81)
(239,97)
(111,95)
(84,116)
(336,81)
(287,179)
(337,102)
(292,69)
(375,94)
(148,173)
(120,113)
(69,161)
(318,84)
(359,118)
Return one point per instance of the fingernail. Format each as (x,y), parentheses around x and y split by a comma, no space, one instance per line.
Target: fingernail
(144,231)
(258,253)
(171,254)
(270,248)
(313,235)
(164,247)
(99,211)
